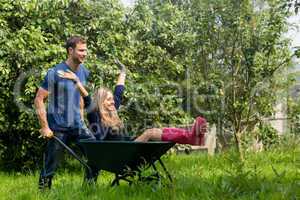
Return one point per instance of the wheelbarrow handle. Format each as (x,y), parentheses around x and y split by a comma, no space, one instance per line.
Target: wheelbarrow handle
(73,153)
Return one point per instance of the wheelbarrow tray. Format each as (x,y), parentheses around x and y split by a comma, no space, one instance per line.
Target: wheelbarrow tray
(117,156)
(126,158)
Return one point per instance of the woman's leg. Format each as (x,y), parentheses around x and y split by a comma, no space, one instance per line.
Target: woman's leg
(150,134)
(195,136)
(177,135)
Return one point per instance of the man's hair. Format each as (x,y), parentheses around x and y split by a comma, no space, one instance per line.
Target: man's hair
(73,41)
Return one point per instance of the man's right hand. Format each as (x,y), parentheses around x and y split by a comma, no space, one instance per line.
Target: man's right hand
(46,133)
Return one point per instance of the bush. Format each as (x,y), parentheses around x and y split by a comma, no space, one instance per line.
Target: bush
(32,35)
(268,135)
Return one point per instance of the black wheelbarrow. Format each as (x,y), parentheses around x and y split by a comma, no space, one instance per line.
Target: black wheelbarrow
(126,159)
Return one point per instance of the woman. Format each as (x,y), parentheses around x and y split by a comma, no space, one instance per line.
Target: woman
(102,115)
(105,123)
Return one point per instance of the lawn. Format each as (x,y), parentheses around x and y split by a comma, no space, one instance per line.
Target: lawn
(267,175)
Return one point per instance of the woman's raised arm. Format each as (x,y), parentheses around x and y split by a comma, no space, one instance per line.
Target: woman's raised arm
(122,75)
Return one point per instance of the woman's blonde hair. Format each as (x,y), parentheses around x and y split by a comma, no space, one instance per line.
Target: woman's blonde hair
(108,118)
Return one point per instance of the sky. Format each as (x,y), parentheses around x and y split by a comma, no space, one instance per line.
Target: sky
(127,2)
(294,32)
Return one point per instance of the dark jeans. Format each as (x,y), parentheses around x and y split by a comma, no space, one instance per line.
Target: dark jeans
(54,152)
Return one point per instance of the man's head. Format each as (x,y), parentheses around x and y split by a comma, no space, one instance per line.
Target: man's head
(76,49)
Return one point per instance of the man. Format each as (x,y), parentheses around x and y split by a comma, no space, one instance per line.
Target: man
(63,117)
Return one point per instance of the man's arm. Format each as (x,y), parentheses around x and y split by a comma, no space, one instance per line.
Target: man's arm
(41,95)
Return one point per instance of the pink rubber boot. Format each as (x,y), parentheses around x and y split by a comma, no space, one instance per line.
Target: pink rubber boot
(198,131)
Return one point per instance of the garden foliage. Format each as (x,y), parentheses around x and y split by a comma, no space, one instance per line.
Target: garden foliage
(219,59)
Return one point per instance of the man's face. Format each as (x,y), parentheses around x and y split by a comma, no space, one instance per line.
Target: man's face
(79,53)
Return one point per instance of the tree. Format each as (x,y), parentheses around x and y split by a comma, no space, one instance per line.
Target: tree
(241,52)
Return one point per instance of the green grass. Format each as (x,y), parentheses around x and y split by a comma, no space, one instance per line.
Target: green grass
(266,175)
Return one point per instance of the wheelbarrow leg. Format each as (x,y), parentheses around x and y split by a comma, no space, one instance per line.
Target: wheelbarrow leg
(156,175)
(119,177)
(116,181)
(165,169)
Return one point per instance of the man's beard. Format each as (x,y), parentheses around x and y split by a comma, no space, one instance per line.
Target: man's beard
(77,61)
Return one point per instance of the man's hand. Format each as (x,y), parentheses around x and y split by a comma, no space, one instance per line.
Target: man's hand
(46,133)
(120,65)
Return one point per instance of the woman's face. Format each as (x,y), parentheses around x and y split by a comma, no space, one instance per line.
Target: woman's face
(109,102)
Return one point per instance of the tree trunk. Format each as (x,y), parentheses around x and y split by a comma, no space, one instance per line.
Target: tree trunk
(238,142)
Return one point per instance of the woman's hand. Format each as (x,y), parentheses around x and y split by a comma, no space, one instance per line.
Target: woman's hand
(120,65)
(71,76)
(68,75)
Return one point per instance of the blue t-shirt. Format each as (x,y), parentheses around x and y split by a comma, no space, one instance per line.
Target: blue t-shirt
(64,98)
